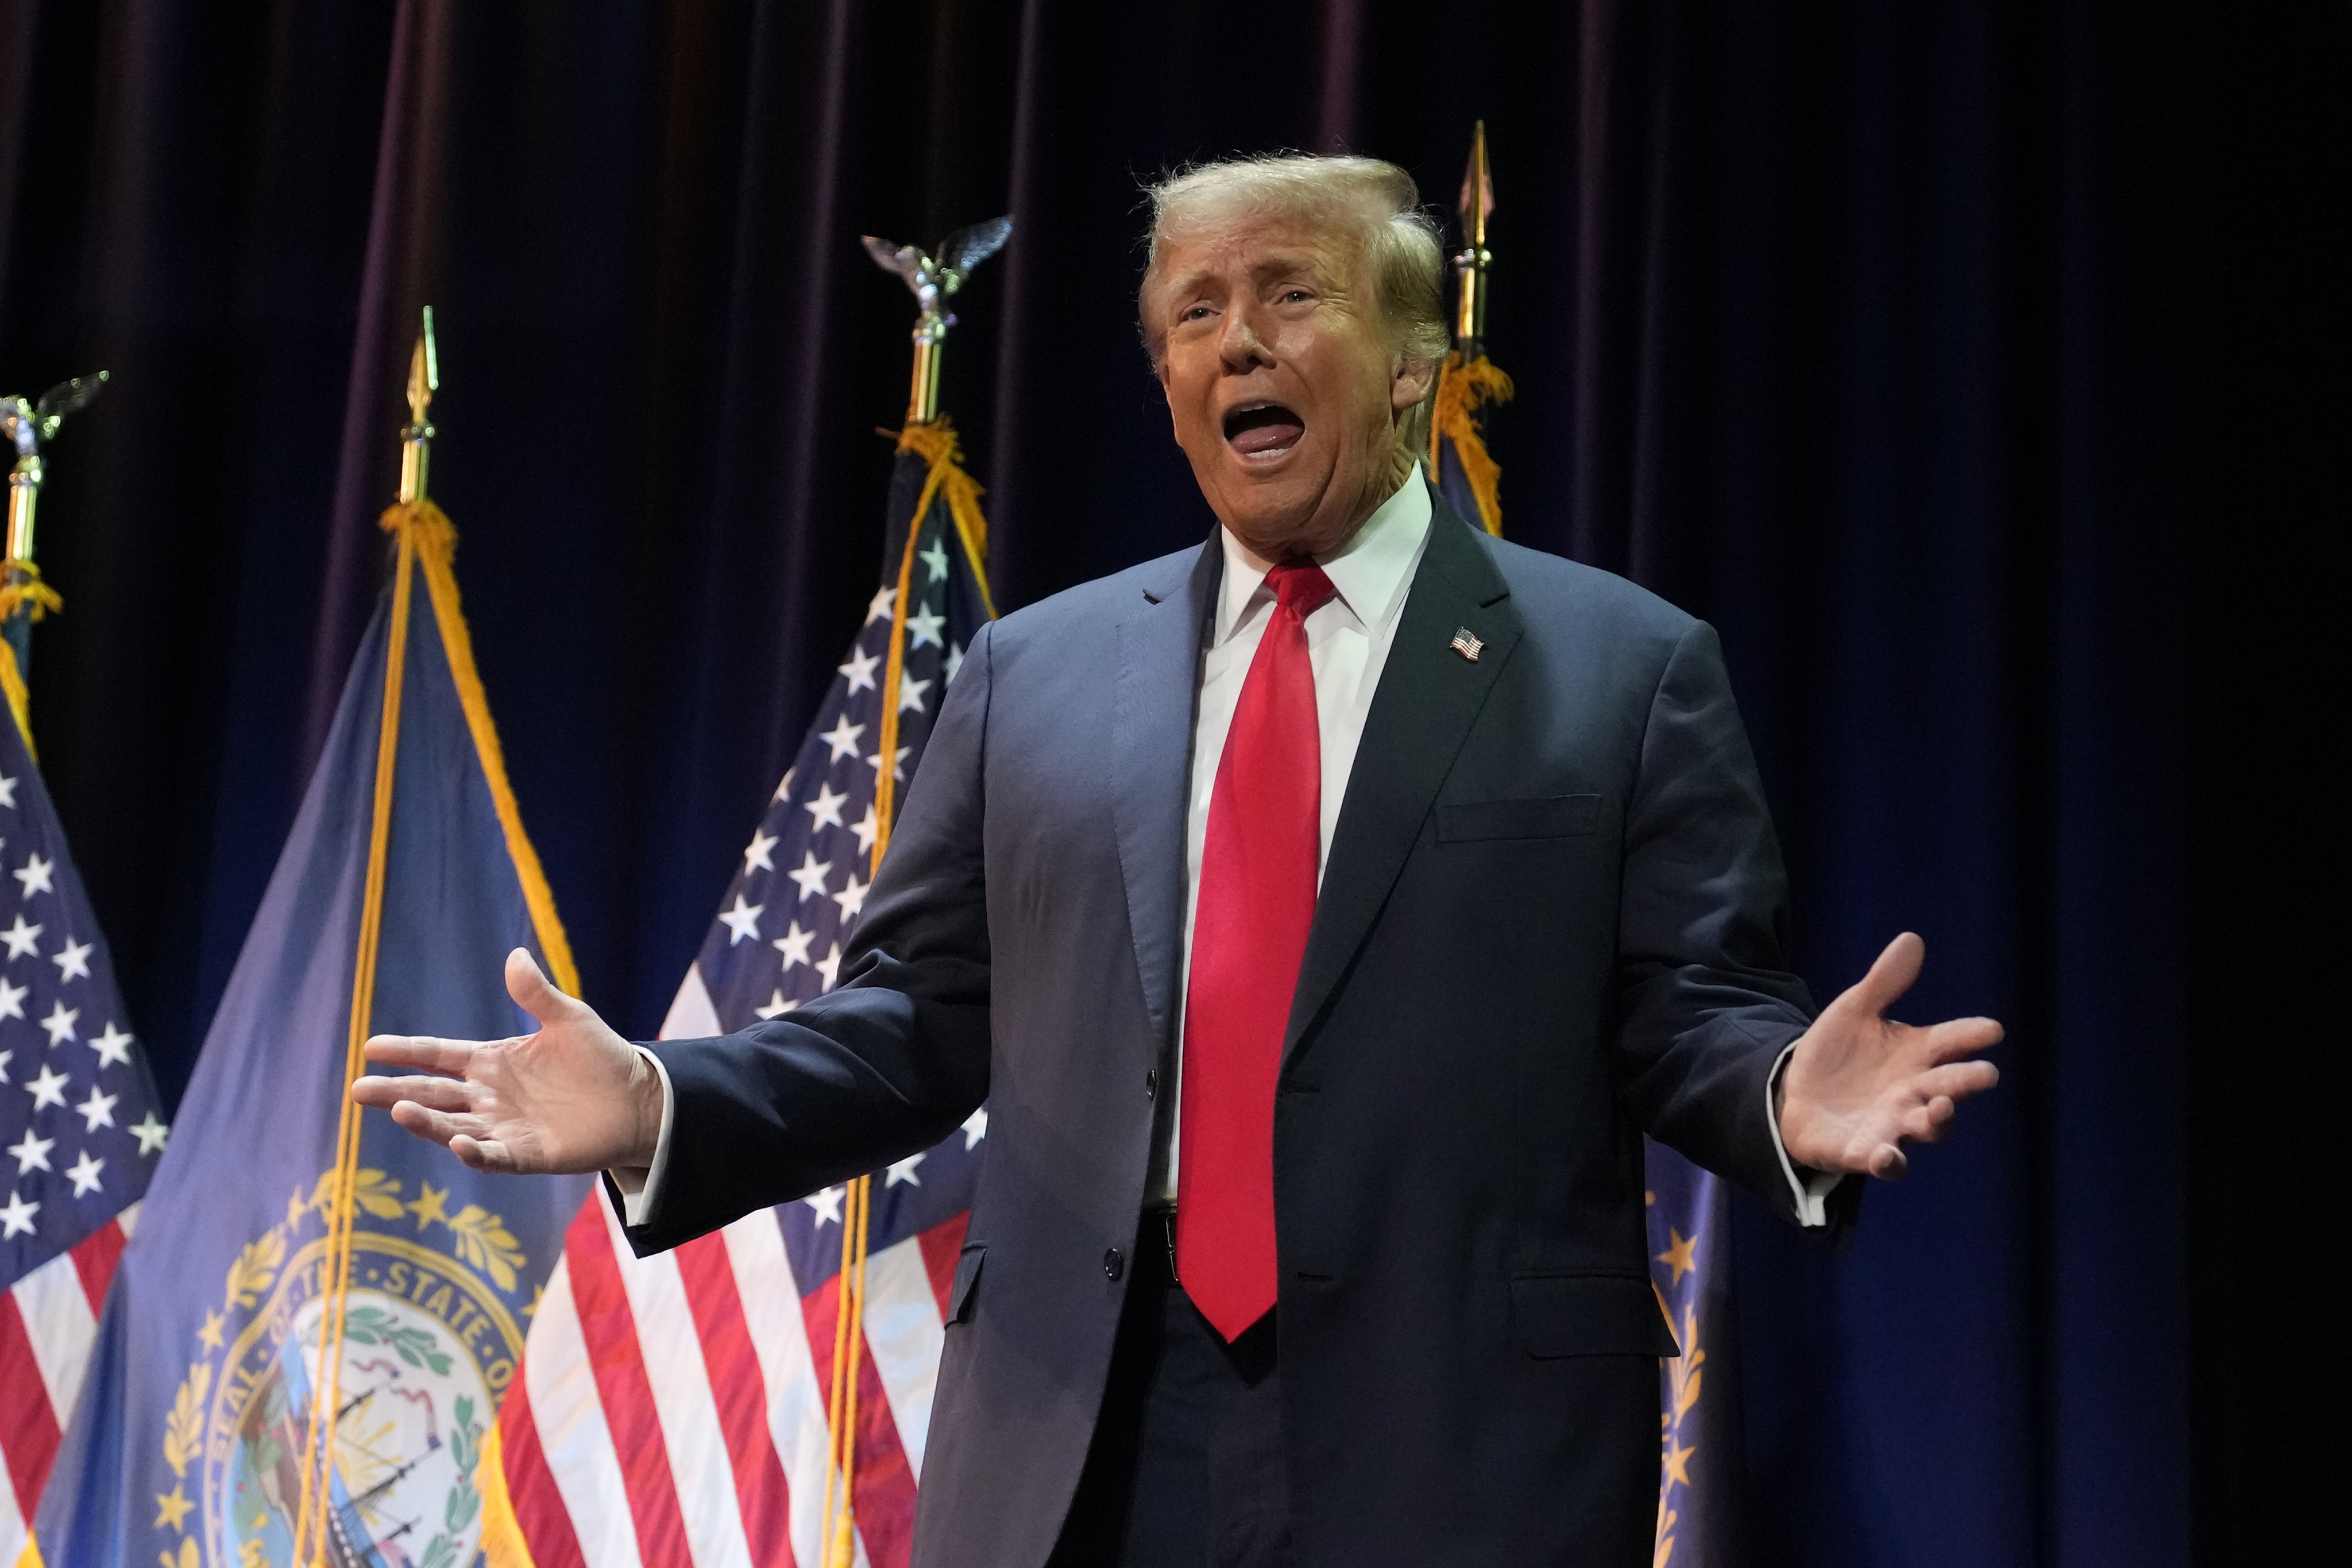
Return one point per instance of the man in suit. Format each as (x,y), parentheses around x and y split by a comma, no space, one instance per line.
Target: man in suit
(1325,913)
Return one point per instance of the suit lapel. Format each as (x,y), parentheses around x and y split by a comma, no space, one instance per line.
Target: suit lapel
(1429,694)
(1160,643)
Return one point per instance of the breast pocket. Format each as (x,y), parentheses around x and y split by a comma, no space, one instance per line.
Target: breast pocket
(1534,816)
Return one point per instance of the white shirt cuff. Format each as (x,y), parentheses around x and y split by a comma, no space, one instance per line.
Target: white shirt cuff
(1812,1191)
(641,1185)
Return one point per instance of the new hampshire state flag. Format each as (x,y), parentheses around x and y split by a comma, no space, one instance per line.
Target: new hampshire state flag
(294,1367)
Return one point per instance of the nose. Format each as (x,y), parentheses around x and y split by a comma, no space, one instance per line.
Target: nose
(1241,346)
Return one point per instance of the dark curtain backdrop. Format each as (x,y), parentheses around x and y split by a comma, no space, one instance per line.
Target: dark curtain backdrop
(1944,355)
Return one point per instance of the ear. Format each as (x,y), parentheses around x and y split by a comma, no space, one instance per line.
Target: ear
(1410,381)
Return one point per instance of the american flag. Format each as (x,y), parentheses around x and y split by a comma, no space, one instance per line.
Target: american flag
(673,1411)
(79,1133)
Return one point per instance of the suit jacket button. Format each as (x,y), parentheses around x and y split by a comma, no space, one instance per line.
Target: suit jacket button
(1113,1264)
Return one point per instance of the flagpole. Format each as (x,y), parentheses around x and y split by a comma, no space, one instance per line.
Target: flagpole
(24,599)
(318,1470)
(1471,265)
(1469,380)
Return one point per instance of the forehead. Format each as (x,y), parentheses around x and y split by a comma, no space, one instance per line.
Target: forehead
(1247,244)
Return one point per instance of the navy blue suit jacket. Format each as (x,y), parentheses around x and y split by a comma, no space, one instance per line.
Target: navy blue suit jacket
(1552,918)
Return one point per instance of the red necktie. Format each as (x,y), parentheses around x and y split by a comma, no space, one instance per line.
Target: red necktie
(1256,903)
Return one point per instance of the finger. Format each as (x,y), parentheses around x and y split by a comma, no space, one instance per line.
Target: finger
(433,1093)
(532,990)
(1955,1081)
(420,1051)
(487,1154)
(1927,1123)
(1959,1038)
(433,1126)
(1897,968)
(1886,1162)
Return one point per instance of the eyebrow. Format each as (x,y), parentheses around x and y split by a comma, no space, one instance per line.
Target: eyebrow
(1277,266)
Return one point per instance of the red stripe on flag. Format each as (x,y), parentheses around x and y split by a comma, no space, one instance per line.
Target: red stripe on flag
(943,1245)
(28,1427)
(94,1259)
(610,1332)
(741,1394)
(531,1485)
(885,1483)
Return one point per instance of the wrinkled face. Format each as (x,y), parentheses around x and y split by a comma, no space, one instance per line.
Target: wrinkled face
(1281,381)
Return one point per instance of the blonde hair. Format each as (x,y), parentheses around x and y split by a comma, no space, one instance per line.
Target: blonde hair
(1374,200)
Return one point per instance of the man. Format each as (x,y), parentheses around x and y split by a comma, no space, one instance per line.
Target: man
(1324,913)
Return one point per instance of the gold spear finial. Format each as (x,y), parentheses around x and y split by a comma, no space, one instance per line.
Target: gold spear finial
(1478,203)
(416,436)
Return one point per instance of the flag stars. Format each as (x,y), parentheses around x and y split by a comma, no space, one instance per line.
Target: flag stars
(793,944)
(904,1171)
(842,738)
(975,1128)
(824,811)
(755,854)
(16,1216)
(936,558)
(809,878)
(776,1005)
(61,1024)
(924,627)
(910,695)
(210,1336)
(98,1110)
(783,786)
(152,1134)
(866,828)
(1680,1254)
(743,921)
(20,939)
(826,1202)
(9,792)
(897,770)
(12,999)
(48,1089)
(852,897)
(885,601)
(35,874)
(30,1152)
(113,1047)
(172,1508)
(84,1175)
(829,966)
(860,671)
(72,960)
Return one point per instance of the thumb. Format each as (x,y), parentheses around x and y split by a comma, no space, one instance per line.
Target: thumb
(1895,972)
(532,990)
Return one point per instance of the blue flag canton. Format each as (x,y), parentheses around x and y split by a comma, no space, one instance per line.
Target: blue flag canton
(789,914)
(79,1134)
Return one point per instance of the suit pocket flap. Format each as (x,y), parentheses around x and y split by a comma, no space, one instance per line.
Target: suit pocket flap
(967,1275)
(1589,1314)
(1537,816)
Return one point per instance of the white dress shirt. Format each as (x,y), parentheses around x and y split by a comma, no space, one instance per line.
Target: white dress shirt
(1347,640)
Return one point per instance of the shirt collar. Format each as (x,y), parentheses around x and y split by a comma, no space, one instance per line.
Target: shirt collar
(1369,570)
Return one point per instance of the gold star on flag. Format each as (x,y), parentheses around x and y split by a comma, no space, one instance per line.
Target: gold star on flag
(209,1336)
(1678,1461)
(172,1508)
(428,1205)
(1678,1255)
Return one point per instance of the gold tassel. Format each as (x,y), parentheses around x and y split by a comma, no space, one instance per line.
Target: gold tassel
(1462,390)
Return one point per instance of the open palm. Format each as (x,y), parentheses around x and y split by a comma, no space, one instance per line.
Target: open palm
(1859,1085)
(572,1097)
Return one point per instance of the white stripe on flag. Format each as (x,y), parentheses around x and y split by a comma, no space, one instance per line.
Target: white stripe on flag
(128,1220)
(702,1473)
(691,1014)
(904,1328)
(562,1388)
(12,1521)
(60,1326)
(771,1315)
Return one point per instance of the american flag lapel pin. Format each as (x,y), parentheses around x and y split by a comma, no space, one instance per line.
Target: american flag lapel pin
(1465,644)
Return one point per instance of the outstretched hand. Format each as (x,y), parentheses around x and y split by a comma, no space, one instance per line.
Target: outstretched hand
(572,1097)
(1860,1085)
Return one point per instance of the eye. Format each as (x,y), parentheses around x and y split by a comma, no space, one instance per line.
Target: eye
(1295,296)
(1195,313)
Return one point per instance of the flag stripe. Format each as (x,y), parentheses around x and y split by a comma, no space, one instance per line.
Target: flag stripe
(942,1245)
(609,1331)
(761,1490)
(530,1486)
(771,1299)
(702,1479)
(95,1259)
(562,1390)
(28,1423)
(59,1329)
(905,1329)
(885,1487)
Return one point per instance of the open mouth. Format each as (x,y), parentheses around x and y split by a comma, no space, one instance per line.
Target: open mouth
(1263,429)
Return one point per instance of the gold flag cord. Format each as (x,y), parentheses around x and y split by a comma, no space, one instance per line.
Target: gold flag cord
(318,1453)
(1463,389)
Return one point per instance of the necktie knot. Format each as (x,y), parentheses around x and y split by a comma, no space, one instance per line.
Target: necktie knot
(1300,588)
